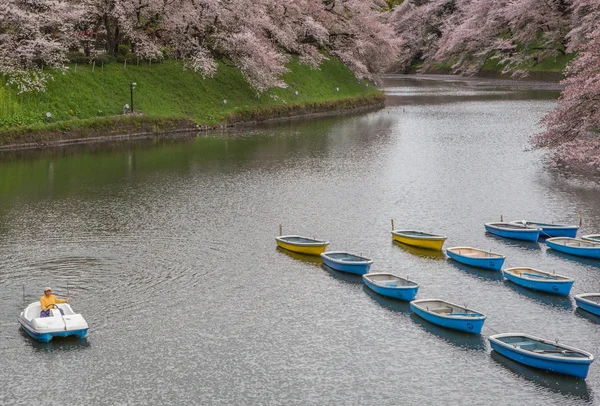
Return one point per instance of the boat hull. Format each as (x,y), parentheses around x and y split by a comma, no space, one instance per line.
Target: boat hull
(579,369)
(559,231)
(577,251)
(46,337)
(467,326)
(427,243)
(486,263)
(562,288)
(406,293)
(551,230)
(359,268)
(302,249)
(587,305)
(524,234)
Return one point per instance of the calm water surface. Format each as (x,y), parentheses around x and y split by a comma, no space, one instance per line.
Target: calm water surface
(167,248)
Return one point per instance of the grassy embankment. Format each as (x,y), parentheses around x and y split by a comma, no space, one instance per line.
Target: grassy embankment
(89,103)
(548,69)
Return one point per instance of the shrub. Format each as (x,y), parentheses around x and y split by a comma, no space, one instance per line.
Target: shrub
(78,57)
(104,59)
(123,50)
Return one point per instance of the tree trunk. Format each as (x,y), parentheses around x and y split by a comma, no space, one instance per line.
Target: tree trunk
(109,44)
(116,41)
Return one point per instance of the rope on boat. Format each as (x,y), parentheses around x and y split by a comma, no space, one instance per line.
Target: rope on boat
(491,328)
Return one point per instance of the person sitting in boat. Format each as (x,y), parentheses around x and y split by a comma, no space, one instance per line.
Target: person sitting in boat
(48,301)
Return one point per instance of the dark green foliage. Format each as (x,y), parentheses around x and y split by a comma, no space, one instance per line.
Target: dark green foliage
(123,50)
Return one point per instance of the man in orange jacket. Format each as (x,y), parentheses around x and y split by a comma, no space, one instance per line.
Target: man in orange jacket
(48,301)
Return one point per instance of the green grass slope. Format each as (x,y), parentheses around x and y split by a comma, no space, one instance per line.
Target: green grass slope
(547,69)
(88,96)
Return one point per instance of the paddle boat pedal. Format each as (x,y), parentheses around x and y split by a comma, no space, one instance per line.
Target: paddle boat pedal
(56,325)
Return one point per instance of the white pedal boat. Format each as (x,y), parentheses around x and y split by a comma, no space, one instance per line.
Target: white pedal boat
(45,328)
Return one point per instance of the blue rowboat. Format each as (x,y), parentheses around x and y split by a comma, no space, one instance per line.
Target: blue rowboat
(449,315)
(575,246)
(476,257)
(550,230)
(538,280)
(347,262)
(514,231)
(591,237)
(589,302)
(392,286)
(543,354)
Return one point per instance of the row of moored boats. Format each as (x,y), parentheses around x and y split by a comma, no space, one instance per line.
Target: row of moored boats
(524,348)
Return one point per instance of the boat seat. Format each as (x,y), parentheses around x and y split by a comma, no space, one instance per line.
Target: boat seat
(444,309)
(522,343)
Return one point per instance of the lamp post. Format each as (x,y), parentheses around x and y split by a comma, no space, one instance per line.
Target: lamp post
(132,86)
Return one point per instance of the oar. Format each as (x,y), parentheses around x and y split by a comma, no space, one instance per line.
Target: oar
(538,275)
(556,351)
(464,314)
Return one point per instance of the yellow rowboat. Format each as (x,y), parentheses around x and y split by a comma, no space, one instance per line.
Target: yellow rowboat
(419,239)
(302,245)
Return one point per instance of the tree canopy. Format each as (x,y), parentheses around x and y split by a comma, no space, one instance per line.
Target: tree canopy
(256,35)
(517,34)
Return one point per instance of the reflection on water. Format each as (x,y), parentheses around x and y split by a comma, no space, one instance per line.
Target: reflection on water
(475,342)
(564,385)
(398,306)
(588,316)
(70,343)
(525,245)
(420,252)
(480,273)
(342,276)
(547,299)
(432,90)
(311,259)
(574,258)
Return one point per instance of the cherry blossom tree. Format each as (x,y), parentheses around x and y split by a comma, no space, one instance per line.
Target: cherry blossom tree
(537,30)
(35,34)
(476,31)
(360,36)
(258,36)
(419,28)
(573,128)
(585,16)
(518,34)
(468,33)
